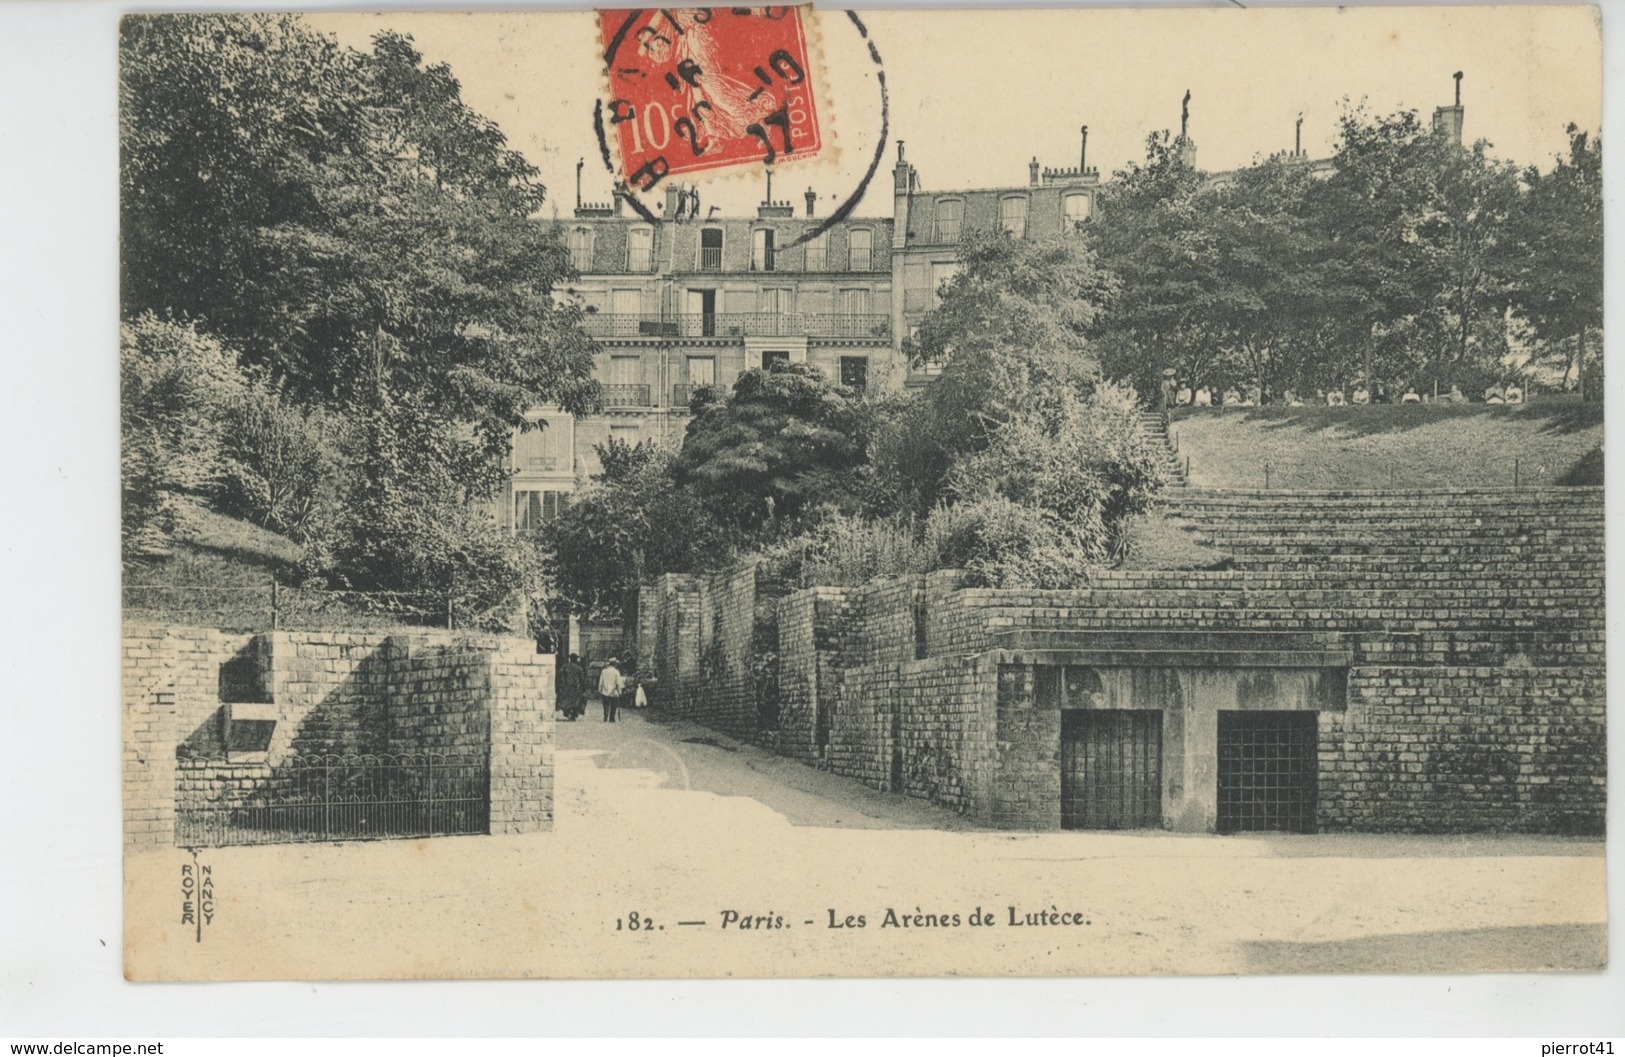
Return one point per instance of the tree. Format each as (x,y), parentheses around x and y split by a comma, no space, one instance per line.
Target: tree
(175,388)
(1083,464)
(277,462)
(345,221)
(1413,229)
(1557,284)
(782,442)
(631,523)
(1010,333)
(1148,236)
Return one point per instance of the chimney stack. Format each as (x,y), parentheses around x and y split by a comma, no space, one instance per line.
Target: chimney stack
(812,200)
(1032,172)
(579,163)
(1083,151)
(673,200)
(1447,120)
(1297,138)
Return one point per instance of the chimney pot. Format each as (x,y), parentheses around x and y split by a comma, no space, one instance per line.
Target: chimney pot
(1032,172)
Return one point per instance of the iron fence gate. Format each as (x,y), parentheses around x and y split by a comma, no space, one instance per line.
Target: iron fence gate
(1111,768)
(1268,763)
(322,798)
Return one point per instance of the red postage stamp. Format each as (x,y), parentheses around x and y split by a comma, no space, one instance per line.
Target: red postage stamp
(699,88)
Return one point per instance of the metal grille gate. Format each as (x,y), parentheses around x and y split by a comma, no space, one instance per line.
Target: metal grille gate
(321,798)
(1111,768)
(1267,771)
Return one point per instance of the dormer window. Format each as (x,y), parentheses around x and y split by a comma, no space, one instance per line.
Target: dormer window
(818,252)
(950,215)
(1013,215)
(580,243)
(640,250)
(860,250)
(1079,207)
(761,250)
(711,250)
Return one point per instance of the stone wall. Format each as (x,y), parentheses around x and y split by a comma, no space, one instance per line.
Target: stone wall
(149,728)
(1446,750)
(1450,645)
(519,704)
(328,693)
(704,647)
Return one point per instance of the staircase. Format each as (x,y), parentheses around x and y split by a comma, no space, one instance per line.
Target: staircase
(1154,426)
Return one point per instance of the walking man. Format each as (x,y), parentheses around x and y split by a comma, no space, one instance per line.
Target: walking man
(610,687)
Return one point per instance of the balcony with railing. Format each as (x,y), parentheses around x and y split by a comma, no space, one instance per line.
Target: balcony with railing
(726,325)
(619,394)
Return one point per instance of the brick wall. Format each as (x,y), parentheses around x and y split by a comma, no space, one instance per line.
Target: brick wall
(439,699)
(706,645)
(149,729)
(330,693)
(1448,749)
(1451,644)
(520,704)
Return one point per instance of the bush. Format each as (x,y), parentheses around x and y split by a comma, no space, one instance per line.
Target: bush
(843,550)
(278,468)
(1085,463)
(175,384)
(1002,543)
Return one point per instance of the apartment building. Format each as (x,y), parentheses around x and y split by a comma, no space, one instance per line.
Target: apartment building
(693,300)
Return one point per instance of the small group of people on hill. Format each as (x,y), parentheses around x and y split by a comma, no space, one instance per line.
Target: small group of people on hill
(1177,392)
(573,685)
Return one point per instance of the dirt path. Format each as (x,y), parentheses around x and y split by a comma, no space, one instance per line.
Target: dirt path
(679,824)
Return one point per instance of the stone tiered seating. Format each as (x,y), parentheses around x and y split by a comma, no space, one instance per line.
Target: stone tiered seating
(1457,578)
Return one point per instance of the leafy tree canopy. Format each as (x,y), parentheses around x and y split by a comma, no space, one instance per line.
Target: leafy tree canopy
(784,440)
(344,220)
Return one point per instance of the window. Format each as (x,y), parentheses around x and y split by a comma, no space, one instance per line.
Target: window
(1013,215)
(853,319)
(627,435)
(942,272)
(581,249)
(640,250)
(818,252)
(773,356)
(1078,209)
(950,212)
(711,249)
(855,372)
(860,250)
(626,302)
(531,507)
(625,370)
(775,301)
(537,448)
(761,250)
(702,370)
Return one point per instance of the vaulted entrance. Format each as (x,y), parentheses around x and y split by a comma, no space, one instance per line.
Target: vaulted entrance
(1111,768)
(1267,767)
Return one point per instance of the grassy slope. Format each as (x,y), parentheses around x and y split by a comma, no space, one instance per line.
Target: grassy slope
(1406,445)
(219,573)
(1467,446)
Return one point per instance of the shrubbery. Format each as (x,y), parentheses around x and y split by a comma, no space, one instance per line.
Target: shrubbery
(176,385)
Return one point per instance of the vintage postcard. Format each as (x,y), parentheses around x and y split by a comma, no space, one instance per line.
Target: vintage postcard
(796,492)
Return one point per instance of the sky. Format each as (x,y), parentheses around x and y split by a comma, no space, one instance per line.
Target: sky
(975,94)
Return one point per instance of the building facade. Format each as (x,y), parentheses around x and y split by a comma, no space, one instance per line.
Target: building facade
(690,301)
(693,300)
